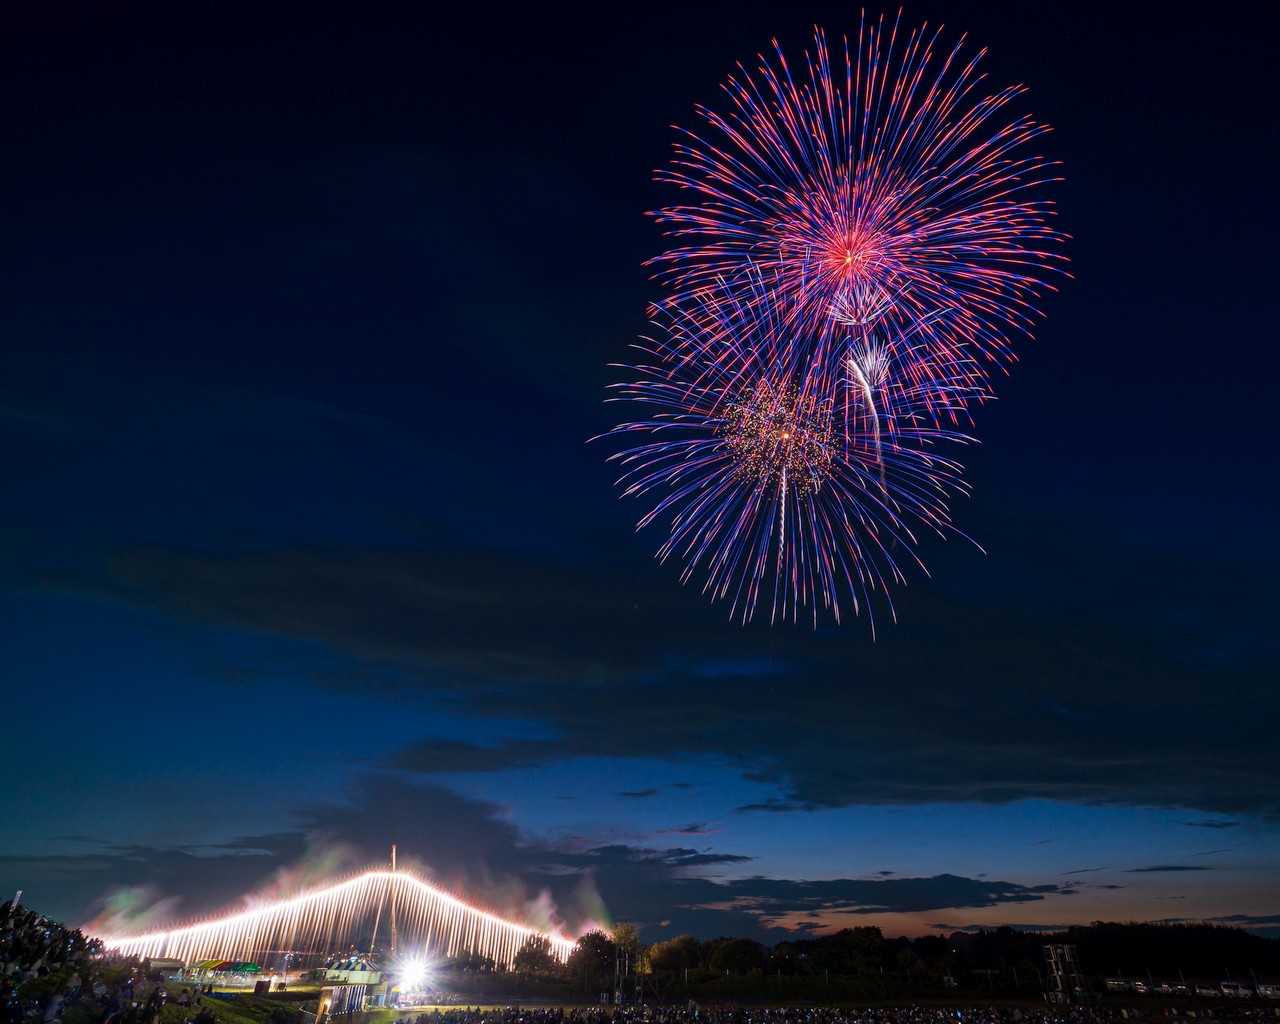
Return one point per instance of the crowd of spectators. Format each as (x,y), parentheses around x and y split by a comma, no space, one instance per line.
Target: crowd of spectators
(32,946)
(48,971)
(696,1014)
(41,962)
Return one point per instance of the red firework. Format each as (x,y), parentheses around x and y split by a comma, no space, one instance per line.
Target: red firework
(882,187)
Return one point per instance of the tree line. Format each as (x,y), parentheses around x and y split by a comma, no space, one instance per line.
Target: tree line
(860,963)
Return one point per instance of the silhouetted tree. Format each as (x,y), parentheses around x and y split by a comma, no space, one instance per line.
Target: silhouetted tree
(536,960)
(468,961)
(737,956)
(935,954)
(674,955)
(851,951)
(591,964)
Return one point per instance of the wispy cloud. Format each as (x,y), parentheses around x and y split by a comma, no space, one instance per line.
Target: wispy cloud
(583,670)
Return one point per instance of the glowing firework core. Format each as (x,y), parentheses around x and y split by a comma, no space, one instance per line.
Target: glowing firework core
(845,263)
(774,433)
(852,257)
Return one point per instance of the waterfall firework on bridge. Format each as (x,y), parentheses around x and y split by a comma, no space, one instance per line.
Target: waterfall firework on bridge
(331,919)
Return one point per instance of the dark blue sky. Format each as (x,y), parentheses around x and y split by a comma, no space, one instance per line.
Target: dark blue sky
(306,322)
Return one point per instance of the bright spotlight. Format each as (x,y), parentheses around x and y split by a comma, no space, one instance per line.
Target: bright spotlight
(412,971)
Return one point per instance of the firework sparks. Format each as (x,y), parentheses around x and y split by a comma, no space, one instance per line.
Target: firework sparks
(323,920)
(863,238)
(771,433)
(875,179)
(772,481)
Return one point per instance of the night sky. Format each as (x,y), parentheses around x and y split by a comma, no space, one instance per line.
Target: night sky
(305,548)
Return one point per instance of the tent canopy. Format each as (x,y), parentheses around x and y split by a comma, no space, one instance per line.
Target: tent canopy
(230,966)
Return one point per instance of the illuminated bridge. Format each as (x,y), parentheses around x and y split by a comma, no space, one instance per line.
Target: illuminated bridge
(411,913)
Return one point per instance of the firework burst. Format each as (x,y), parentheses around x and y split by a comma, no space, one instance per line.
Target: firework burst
(860,242)
(772,434)
(874,181)
(792,472)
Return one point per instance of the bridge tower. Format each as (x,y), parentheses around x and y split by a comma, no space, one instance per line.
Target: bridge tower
(392,888)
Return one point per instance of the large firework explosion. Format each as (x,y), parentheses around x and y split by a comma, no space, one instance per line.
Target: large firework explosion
(874,181)
(860,243)
(785,475)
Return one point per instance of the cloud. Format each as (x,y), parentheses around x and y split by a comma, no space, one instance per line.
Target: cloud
(652,791)
(1213,823)
(676,858)
(1169,867)
(695,828)
(771,908)
(961,702)
(775,804)
(149,884)
(442,756)
(467,845)
(1250,921)
(974,928)
(1265,925)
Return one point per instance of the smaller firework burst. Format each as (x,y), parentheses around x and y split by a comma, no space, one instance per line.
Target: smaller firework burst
(773,434)
(789,471)
(861,304)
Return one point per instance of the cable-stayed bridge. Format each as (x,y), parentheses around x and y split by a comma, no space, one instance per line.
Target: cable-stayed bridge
(410,913)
